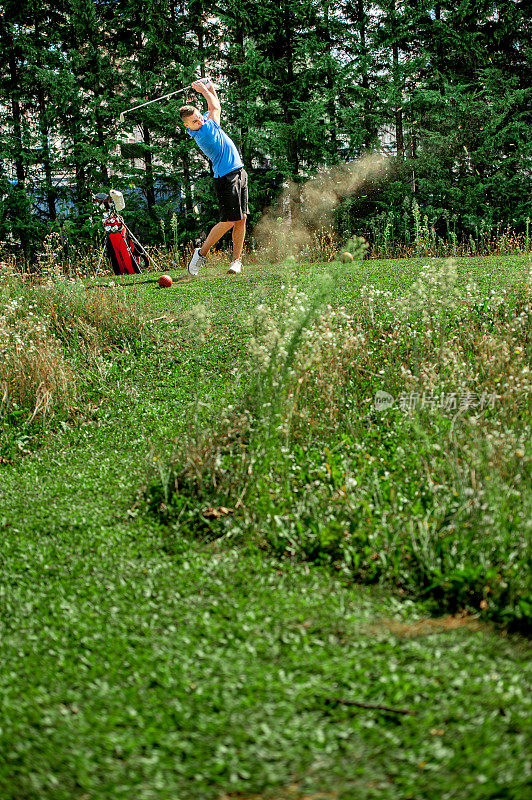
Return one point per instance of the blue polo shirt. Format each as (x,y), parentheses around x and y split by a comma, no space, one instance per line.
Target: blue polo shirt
(217,146)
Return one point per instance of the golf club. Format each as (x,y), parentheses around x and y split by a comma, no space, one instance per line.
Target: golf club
(206,81)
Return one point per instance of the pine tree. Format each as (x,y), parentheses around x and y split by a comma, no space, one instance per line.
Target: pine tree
(473,116)
(23,60)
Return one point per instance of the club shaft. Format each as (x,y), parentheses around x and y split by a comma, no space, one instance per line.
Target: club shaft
(143,249)
(155,100)
(100,261)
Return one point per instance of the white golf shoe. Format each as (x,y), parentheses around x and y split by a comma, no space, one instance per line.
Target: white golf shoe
(235,267)
(196,262)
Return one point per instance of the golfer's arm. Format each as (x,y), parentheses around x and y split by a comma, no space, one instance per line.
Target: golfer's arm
(213,103)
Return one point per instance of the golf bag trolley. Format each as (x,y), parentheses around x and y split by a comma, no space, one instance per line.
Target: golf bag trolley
(124,251)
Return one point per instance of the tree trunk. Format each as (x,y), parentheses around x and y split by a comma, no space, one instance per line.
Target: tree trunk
(150,186)
(101,144)
(398,102)
(370,132)
(17,123)
(439,52)
(331,105)
(51,194)
(292,147)
(189,201)
(239,39)
(44,130)
(20,227)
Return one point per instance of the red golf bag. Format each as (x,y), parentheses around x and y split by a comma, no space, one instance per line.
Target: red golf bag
(123,251)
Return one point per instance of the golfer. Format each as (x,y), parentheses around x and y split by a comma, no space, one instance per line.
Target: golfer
(230,177)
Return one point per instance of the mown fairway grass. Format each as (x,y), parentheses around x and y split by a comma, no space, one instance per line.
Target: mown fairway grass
(139,662)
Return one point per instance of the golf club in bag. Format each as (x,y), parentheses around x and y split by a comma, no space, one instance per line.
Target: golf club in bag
(123,249)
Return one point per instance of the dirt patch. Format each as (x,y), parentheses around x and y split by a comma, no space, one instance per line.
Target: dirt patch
(428,626)
(291,792)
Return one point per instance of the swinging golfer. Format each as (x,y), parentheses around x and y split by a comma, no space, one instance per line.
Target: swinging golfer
(230,177)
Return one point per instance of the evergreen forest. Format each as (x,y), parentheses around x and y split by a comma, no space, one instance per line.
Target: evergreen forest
(441,89)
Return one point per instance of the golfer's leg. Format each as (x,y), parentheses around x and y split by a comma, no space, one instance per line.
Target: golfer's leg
(214,234)
(239,232)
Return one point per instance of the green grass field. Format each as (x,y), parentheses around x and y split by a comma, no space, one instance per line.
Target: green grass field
(227,574)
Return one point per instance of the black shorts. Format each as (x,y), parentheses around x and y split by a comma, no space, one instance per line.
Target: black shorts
(232,193)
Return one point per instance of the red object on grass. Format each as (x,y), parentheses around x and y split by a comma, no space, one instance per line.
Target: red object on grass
(165,281)
(122,251)
(122,254)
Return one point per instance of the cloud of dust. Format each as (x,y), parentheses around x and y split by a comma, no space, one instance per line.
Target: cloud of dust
(289,227)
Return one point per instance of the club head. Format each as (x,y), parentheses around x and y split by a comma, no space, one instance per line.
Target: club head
(102,199)
(118,199)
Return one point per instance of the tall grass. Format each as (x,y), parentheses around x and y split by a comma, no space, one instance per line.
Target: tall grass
(390,236)
(430,492)
(406,234)
(412,233)
(58,259)
(53,335)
